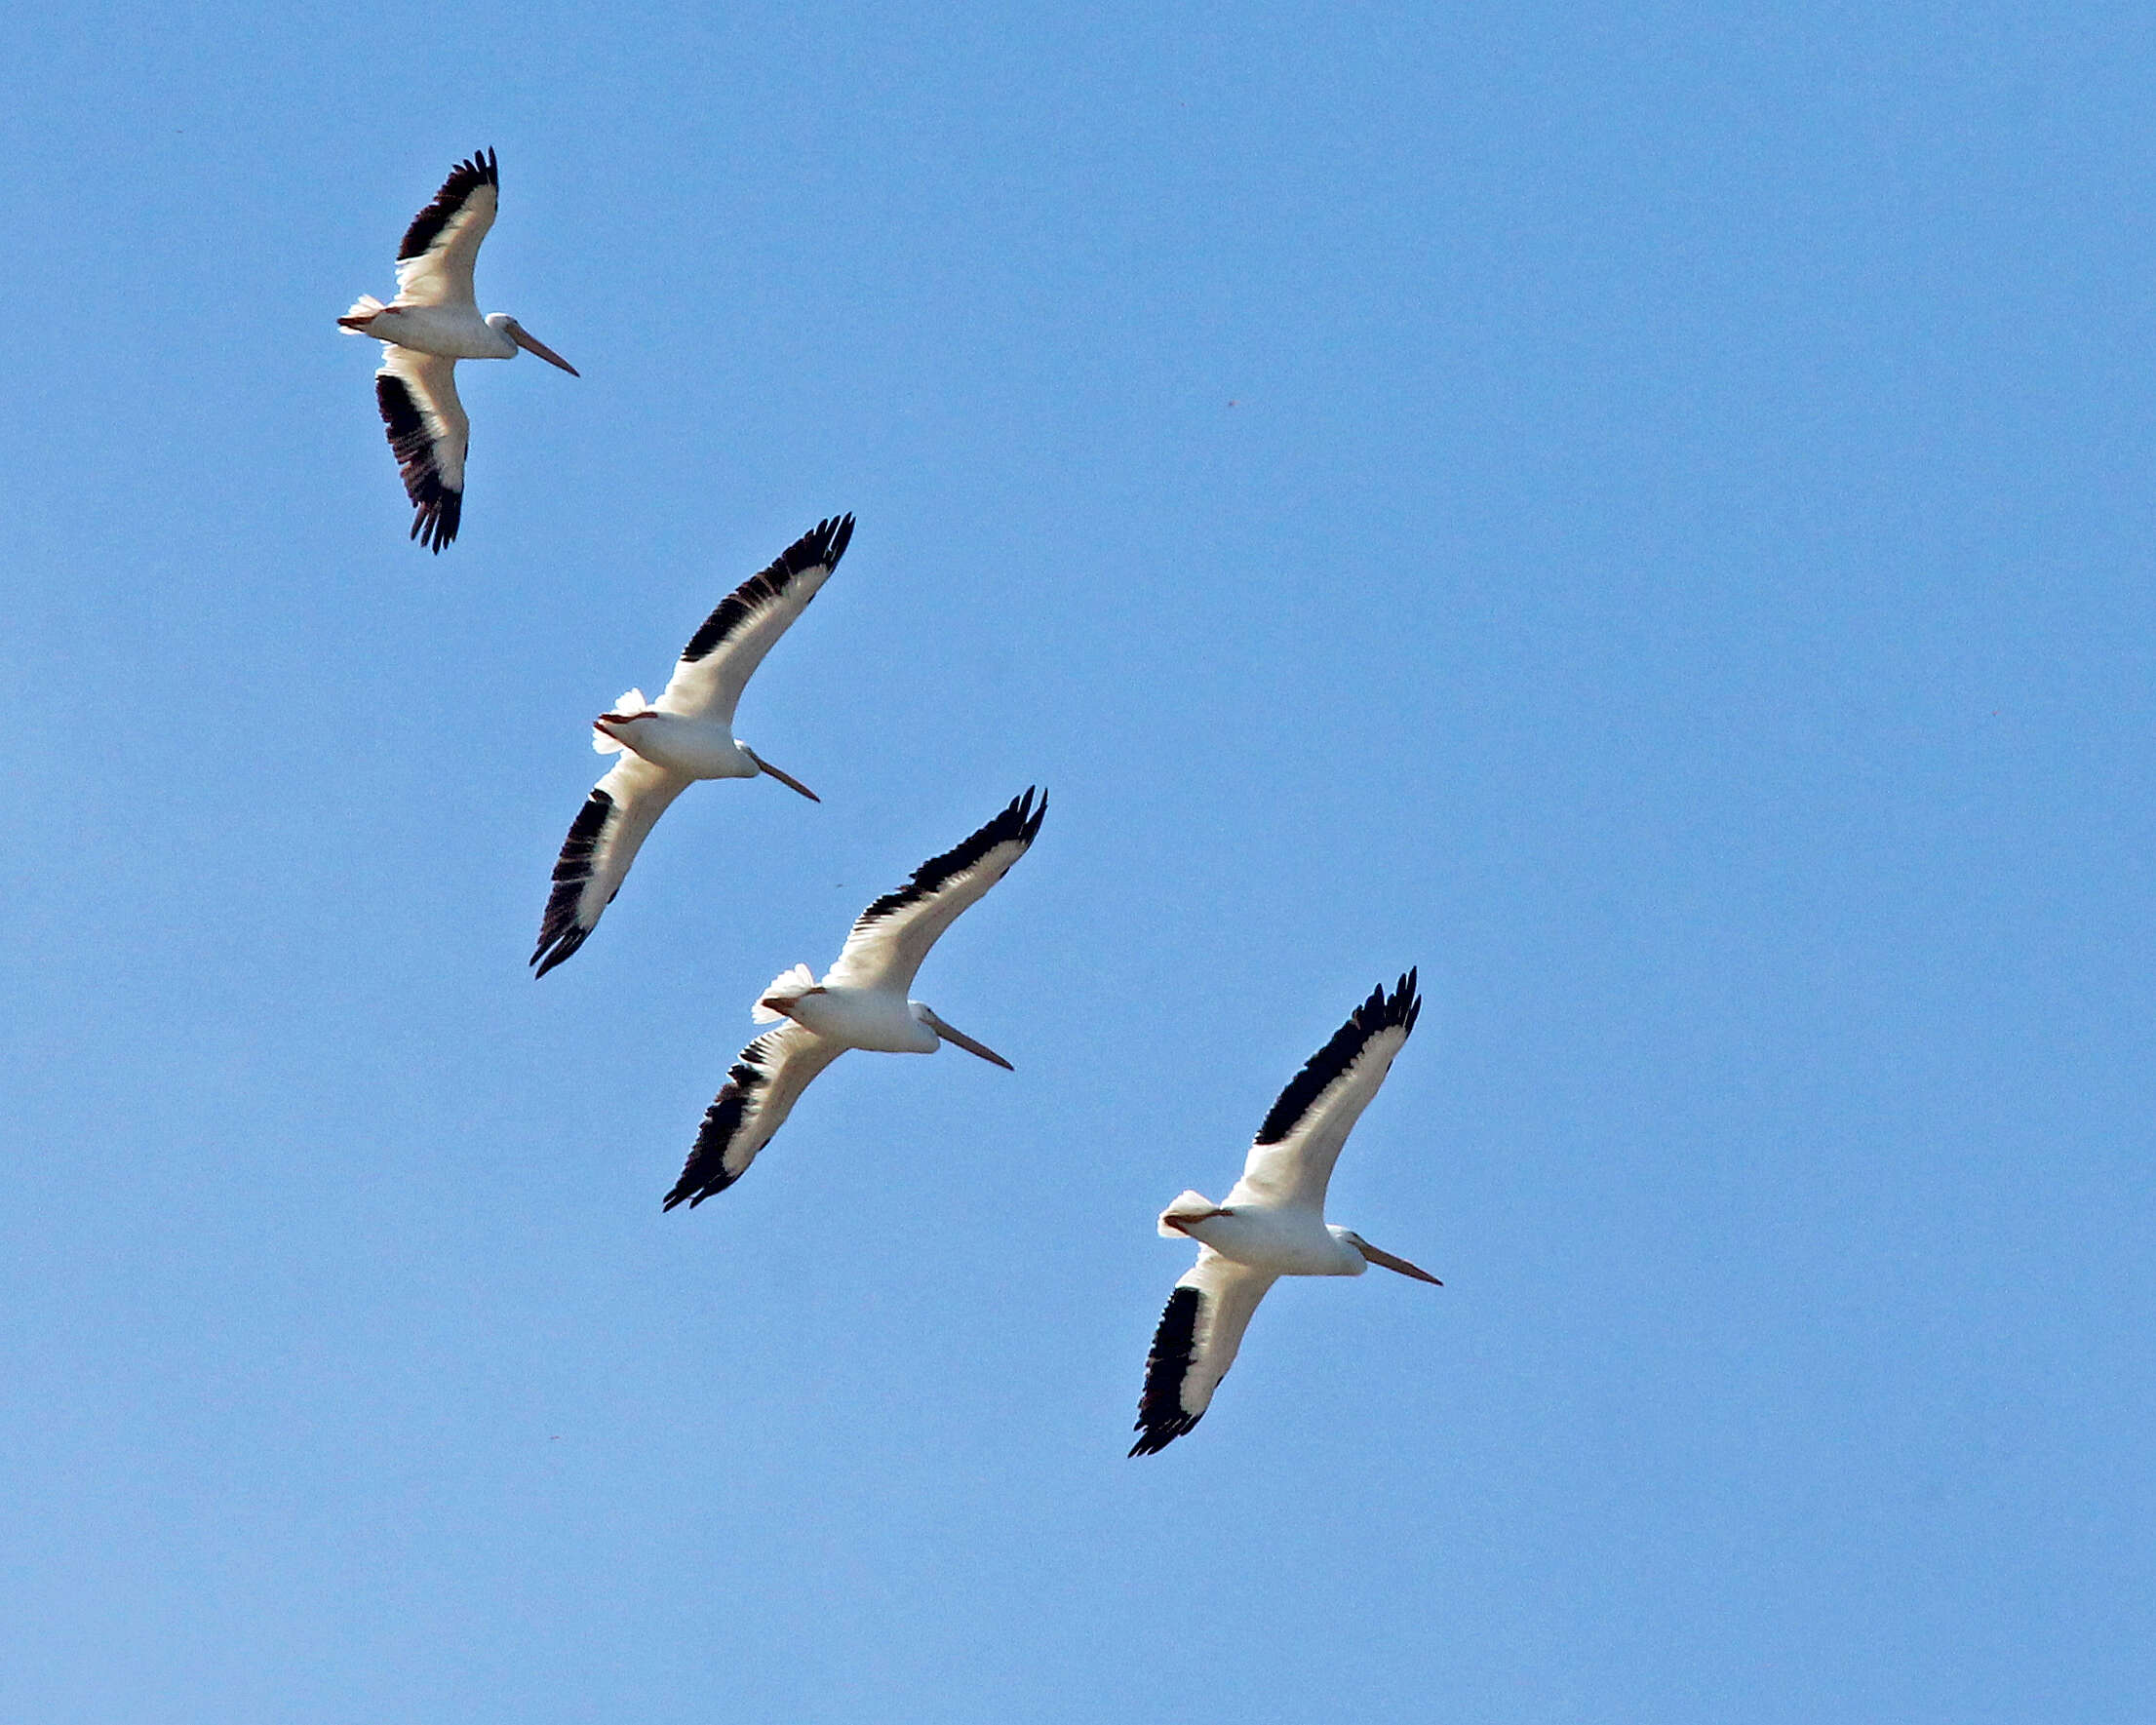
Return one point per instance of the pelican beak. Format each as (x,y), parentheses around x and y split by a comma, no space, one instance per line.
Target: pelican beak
(1385,1261)
(530,344)
(963,1041)
(785,778)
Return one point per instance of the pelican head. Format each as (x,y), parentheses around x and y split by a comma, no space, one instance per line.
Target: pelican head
(1370,1254)
(957,1039)
(785,778)
(502,324)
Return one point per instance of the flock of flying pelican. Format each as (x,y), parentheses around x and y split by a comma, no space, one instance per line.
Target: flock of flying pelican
(1273,1221)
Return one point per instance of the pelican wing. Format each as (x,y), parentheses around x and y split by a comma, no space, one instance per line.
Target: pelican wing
(762,1088)
(434,265)
(602,841)
(893,936)
(1194,1346)
(429,434)
(722,655)
(1293,1158)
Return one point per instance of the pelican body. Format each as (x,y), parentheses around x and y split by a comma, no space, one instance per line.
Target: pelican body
(687,735)
(1273,1223)
(433,322)
(877,1019)
(861,1002)
(449,333)
(1283,1240)
(689,747)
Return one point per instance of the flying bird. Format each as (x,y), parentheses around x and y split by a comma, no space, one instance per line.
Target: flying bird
(686,734)
(1274,1222)
(433,322)
(860,1003)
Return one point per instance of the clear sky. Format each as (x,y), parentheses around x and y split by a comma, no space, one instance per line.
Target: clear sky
(1642,512)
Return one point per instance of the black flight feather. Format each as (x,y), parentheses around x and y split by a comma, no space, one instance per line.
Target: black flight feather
(560,931)
(824,543)
(1161,1415)
(1377,1013)
(1019,821)
(436,509)
(464,178)
(704,1175)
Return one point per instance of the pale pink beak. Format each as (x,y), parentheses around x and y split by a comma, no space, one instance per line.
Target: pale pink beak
(961,1040)
(1385,1261)
(785,778)
(530,344)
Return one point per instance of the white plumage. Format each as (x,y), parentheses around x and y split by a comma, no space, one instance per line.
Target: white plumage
(1273,1223)
(434,322)
(860,1003)
(687,735)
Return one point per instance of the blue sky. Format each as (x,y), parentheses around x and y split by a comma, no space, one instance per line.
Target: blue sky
(1643,514)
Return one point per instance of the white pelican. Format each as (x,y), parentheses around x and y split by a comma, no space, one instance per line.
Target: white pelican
(686,734)
(860,1003)
(433,322)
(1274,1222)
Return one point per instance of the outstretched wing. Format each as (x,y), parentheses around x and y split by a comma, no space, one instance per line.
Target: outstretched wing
(722,655)
(761,1090)
(434,265)
(429,434)
(895,932)
(1194,1346)
(602,841)
(1293,1158)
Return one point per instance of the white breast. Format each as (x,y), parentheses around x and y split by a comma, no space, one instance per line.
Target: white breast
(684,746)
(1286,1241)
(449,332)
(865,1018)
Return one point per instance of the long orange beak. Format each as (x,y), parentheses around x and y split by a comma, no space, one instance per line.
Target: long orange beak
(1385,1261)
(785,778)
(530,344)
(960,1039)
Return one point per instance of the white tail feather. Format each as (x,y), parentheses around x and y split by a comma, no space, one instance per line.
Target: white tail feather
(788,985)
(1189,1204)
(631,703)
(363,309)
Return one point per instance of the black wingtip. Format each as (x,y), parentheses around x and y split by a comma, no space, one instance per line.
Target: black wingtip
(560,931)
(1153,1440)
(467,177)
(436,511)
(434,522)
(1379,1012)
(692,1187)
(556,950)
(704,1174)
(1020,818)
(1017,821)
(1161,1415)
(1028,816)
(822,544)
